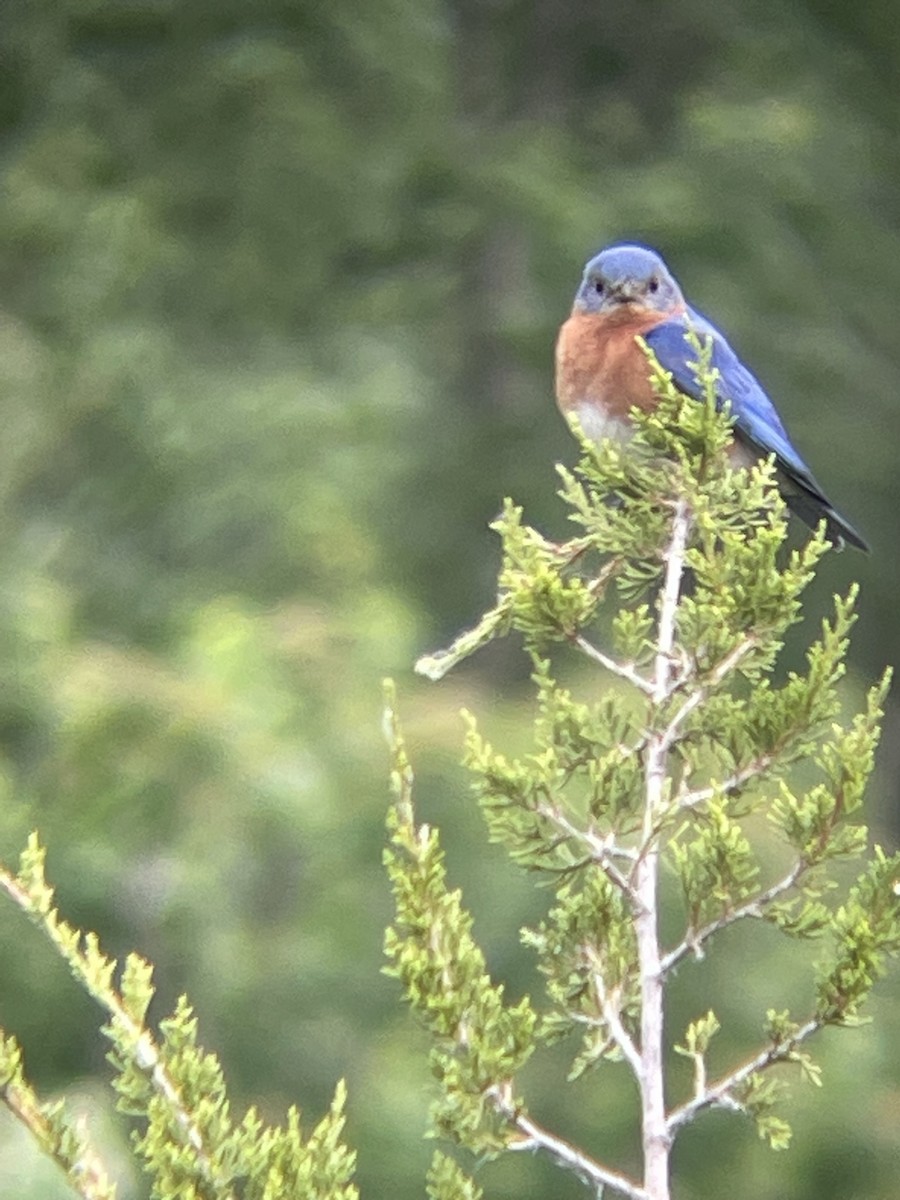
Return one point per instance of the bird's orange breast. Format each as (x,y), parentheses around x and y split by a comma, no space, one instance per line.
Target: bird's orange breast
(601,371)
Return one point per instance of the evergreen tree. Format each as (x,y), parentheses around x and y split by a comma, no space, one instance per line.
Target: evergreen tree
(679,795)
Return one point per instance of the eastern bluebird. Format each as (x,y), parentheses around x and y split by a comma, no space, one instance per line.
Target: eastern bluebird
(602,372)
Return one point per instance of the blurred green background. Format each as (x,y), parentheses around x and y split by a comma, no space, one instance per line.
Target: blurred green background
(279,283)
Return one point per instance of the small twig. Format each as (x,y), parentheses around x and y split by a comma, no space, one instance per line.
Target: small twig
(496,620)
(613,1021)
(685,670)
(711,680)
(623,670)
(693,942)
(85,1172)
(601,851)
(535,1137)
(719,1095)
(147,1055)
(699,1074)
(732,783)
(674,558)
(435,666)
(603,576)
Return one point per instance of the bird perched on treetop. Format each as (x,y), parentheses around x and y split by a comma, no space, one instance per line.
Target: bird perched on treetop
(602,372)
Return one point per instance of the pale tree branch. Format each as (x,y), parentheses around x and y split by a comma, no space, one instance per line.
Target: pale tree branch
(534,1137)
(623,670)
(496,620)
(84,1170)
(719,1094)
(148,1056)
(694,940)
(601,850)
(435,666)
(611,1011)
(732,783)
(656,1138)
(719,672)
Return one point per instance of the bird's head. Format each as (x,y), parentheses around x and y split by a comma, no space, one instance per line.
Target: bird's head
(628,279)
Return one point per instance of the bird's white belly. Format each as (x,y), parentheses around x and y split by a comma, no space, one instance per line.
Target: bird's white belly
(597,424)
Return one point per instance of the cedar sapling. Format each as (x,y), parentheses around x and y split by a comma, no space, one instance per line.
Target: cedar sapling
(673,758)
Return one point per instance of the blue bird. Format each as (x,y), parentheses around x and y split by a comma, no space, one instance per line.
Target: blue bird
(601,372)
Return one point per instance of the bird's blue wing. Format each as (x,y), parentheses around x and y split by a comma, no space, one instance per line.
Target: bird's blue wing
(756,419)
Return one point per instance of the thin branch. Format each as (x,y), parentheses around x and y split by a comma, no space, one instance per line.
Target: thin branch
(496,620)
(711,680)
(674,558)
(84,1170)
(699,1074)
(656,1139)
(563,1153)
(613,1021)
(148,1056)
(435,666)
(602,851)
(623,670)
(685,670)
(603,576)
(719,1094)
(694,941)
(732,783)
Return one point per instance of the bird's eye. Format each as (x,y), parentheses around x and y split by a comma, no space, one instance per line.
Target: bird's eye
(653,285)
(598,287)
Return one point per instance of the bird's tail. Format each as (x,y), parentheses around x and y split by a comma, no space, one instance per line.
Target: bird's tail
(813,508)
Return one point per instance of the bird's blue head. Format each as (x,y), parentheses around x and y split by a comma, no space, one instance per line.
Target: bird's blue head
(628,278)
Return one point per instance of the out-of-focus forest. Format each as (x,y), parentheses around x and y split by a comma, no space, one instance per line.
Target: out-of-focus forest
(279,283)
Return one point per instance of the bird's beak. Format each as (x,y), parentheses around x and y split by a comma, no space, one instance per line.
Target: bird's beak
(626,291)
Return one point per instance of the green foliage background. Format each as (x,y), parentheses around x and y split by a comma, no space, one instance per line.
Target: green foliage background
(278,289)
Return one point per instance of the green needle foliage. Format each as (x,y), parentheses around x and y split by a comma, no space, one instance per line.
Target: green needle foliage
(677,763)
(184,1137)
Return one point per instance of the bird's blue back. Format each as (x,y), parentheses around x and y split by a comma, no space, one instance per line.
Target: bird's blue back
(755,416)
